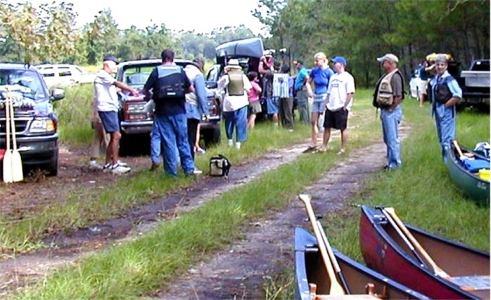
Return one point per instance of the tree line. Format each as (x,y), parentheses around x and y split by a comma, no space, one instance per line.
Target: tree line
(360,30)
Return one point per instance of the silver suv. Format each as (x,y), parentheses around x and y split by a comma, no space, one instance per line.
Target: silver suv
(35,121)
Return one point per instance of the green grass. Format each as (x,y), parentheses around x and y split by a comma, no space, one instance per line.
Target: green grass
(421,193)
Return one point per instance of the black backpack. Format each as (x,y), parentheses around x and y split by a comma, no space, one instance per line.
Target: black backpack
(219,166)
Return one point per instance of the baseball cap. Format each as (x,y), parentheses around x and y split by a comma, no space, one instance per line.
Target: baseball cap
(110,58)
(339,59)
(298,61)
(390,57)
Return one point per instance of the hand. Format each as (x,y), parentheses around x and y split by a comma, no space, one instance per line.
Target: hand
(134,92)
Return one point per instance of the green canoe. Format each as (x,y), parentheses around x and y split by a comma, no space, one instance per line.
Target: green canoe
(469,182)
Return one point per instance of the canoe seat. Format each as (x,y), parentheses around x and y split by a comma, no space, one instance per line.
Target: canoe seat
(475,282)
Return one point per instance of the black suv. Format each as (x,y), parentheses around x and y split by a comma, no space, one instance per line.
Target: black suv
(35,121)
(135,118)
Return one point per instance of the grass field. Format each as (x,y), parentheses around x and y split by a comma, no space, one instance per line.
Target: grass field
(421,192)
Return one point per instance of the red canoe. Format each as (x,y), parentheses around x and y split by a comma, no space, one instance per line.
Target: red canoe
(385,251)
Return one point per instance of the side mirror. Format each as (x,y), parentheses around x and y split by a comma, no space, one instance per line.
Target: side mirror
(57,94)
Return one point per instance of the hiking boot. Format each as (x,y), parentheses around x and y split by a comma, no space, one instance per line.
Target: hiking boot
(119,169)
(154,167)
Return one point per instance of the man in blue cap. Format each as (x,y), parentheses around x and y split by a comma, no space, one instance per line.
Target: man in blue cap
(340,94)
(301,91)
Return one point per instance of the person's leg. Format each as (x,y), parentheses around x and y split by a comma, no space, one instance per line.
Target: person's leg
(166,130)
(229,129)
(343,127)
(96,140)
(281,110)
(192,131)
(241,125)
(327,124)
(288,112)
(390,126)
(303,107)
(252,120)
(447,127)
(180,127)
(155,144)
(314,129)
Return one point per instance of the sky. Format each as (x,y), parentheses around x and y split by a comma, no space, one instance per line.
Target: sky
(201,15)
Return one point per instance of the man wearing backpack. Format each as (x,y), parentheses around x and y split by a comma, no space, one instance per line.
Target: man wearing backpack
(446,92)
(388,96)
(168,84)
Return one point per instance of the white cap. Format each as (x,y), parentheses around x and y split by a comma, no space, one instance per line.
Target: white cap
(390,57)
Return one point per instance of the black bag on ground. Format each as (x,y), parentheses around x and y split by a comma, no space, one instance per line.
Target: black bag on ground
(219,166)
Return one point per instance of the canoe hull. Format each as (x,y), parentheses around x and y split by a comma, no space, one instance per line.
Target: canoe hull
(471,185)
(310,269)
(384,251)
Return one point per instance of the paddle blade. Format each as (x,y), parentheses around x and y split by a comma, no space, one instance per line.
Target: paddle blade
(7,167)
(17,172)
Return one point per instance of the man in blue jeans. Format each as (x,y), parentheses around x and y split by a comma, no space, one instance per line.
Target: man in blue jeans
(389,94)
(169,84)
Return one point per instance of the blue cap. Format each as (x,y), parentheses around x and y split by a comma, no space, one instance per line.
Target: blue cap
(339,59)
(110,58)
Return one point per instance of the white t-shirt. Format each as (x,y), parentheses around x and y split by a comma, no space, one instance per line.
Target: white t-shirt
(105,92)
(233,103)
(340,85)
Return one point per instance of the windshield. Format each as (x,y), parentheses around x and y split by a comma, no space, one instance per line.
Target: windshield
(136,76)
(23,81)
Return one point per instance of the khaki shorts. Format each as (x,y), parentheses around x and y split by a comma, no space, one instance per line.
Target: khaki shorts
(422,86)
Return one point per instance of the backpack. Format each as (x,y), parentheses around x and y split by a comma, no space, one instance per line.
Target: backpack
(219,166)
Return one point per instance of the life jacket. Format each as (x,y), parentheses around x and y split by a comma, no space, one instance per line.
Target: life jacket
(170,82)
(384,94)
(442,91)
(236,83)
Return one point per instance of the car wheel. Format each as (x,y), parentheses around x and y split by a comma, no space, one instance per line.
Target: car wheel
(52,166)
(211,136)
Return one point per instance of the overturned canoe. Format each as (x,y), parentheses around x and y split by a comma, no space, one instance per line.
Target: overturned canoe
(432,265)
(312,278)
(464,173)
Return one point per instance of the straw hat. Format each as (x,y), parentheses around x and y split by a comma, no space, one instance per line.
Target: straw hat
(233,64)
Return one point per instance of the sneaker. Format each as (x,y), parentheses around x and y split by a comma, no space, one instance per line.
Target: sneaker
(197,171)
(119,169)
(122,163)
(201,151)
(154,167)
(93,165)
(237,145)
(107,167)
(230,143)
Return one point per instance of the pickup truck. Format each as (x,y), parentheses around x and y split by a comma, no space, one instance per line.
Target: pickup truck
(475,84)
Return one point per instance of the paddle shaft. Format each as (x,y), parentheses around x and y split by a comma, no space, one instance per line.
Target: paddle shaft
(462,156)
(403,236)
(335,287)
(7,158)
(334,261)
(436,269)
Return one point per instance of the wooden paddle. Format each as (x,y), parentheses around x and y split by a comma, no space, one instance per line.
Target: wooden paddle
(17,172)
(7,157)
(457,147)
(436,269)
(334,261)
(335,287)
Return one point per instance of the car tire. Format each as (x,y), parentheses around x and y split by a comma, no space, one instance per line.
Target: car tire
(211,136)
(52,166)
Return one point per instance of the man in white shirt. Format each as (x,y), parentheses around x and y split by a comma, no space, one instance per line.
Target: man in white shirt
(340,94)
(106,101)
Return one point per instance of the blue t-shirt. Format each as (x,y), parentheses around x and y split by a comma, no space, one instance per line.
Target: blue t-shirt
(300,81)
(321,79)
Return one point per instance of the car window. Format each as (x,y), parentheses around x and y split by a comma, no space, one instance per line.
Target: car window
(64,71)
(213,74)
(26,82)
(137,76)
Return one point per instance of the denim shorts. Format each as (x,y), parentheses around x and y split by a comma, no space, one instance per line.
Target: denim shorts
(319,104)
(110,121)
(272,105)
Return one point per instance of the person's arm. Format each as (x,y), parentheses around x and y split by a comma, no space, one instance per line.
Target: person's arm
(125,87)
(152,78)
(200,91)
(397,88)
(350,88)
(456,91)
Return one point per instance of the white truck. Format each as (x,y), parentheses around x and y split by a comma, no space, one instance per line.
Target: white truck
(475,84)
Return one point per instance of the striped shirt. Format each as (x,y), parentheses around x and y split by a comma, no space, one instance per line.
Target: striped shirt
(280,85)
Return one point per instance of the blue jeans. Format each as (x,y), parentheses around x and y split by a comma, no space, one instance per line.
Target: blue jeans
(236,120)
(171,132)
(390,129)
(445,126)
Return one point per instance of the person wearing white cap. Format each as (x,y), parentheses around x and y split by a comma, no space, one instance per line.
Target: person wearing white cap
(235,103)
(389,93)
(446,93)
